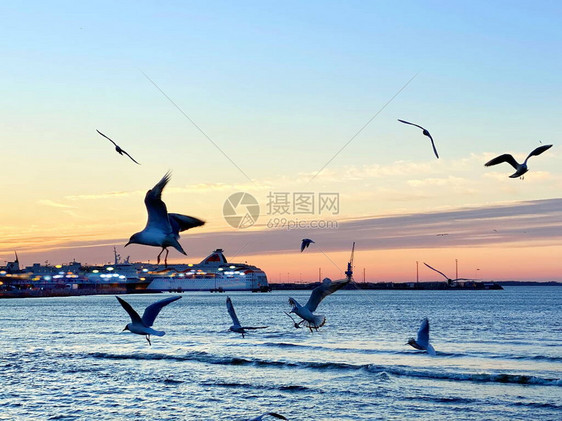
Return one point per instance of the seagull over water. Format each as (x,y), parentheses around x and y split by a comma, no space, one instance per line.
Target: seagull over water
(118,148)
(162,228)
(306,312)
(236,327)
(422,342)
(520,169)
(305,243)
(425,132)
(142,326)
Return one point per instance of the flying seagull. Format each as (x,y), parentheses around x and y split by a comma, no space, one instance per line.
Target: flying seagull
(520,169)
(305,312)
(422,342)
(142,326)
(425,132)
(162,228)
(305,243)
(236,327)
(271,414)
(118,148)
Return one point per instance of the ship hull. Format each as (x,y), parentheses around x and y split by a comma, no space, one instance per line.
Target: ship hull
(183,284)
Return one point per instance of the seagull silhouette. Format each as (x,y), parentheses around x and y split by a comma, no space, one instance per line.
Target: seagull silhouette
(162,228)
(305,243)
(236,327)
(142,326)
(313,321)
(422,342)
(425,132)
(520,169)
(118,148)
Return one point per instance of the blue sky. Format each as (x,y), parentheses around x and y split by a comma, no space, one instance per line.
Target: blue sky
(280,87)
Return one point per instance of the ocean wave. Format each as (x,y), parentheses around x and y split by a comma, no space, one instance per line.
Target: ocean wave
(284,388)
(408,351)
(473,377)
(204,357)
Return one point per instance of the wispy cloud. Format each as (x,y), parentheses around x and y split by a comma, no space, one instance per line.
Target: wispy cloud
(536,222)
(52,203)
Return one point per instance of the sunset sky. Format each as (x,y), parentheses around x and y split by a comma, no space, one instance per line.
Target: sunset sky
(281,88)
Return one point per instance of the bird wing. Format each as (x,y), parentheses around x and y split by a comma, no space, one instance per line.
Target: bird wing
(322,291)
(423,333)
(135,318)
(152,310)
(433,144)
(303,245)
(538,151)
(132,159)
(156,208)
(181,223)
(231,311)
(411,124)
(446,277)
(503,158)
(116,145)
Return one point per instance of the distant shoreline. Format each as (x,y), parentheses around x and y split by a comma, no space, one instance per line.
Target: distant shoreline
(401,286)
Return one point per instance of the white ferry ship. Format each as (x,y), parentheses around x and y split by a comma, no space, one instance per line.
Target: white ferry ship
(214,273)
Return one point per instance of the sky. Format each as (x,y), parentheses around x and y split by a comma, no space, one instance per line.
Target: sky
(294,101)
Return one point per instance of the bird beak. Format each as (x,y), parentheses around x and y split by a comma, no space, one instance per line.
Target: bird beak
(128,242)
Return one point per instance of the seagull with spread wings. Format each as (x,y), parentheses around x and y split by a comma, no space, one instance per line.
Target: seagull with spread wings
(118,148)
(520,169)
(143,325)
(236,327)
(306,312)
(305,243)
(422,342)
(425,132)
(162,228)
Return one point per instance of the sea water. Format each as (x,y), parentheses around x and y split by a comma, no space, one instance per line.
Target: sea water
(499,356)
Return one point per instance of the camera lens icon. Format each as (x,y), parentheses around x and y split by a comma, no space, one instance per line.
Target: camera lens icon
(241,210)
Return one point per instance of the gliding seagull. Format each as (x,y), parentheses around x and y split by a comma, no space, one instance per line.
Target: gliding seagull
(425,132)
(305,243)
(162,228)
(142,326)
(118,148)
(305,312)
(422,343)
(236,327)
(520,169)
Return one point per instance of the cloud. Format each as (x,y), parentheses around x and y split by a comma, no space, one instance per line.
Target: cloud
(51,203)
(109,195)
(525,224)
